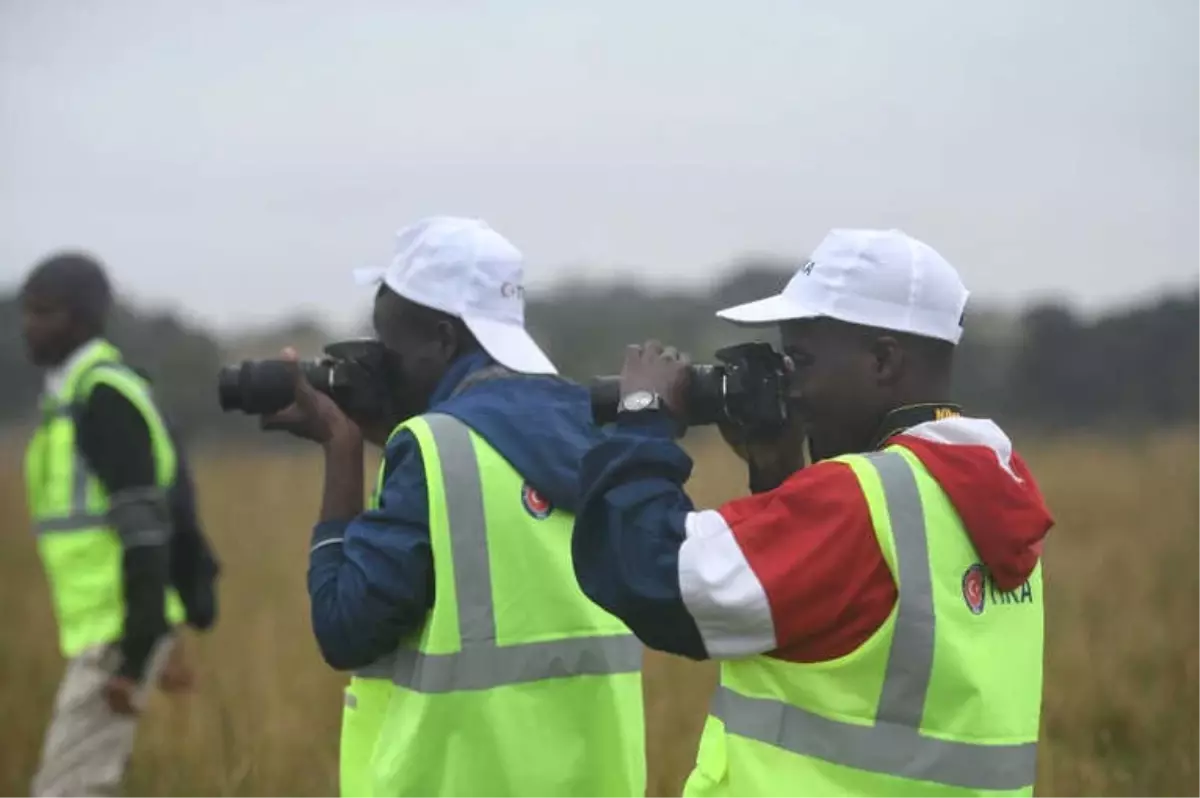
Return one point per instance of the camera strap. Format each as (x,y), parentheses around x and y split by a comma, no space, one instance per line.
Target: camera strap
(908,416)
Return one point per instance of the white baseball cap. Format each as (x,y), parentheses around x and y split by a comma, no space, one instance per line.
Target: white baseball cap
(877,278)
(465,268)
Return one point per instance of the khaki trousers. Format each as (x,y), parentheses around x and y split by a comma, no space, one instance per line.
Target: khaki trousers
(87,746)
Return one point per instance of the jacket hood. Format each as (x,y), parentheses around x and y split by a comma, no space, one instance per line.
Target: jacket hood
(990,486)
(542,425)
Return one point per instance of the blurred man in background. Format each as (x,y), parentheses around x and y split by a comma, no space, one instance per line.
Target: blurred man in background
(100,472)
(480,668)
(877,614)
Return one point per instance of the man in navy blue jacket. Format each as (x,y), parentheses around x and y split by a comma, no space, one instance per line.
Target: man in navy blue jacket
(449,311)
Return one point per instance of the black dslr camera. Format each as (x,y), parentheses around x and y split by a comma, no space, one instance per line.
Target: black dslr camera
(355,373)
(748,388)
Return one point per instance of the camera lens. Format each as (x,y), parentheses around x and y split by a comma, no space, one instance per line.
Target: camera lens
(706,394)
(256,387)
(229,393)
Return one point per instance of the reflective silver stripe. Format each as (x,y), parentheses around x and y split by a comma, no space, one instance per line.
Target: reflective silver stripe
(467,521)
(482,668)
(895,750)
(481,663)
(78,518)
(910,661)
(70,523)
(381,668)
(895,744)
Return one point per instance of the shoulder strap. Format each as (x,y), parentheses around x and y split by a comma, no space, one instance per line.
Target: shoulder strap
(88,375)
(137,390)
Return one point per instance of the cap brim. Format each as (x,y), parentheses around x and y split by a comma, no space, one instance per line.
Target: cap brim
(510,345)
(771,310)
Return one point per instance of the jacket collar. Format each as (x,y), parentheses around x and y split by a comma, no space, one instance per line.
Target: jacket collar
(459,370)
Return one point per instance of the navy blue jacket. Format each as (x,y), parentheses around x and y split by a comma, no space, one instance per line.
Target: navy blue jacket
(370,580)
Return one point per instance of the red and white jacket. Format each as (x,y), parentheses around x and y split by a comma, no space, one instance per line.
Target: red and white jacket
(796,572)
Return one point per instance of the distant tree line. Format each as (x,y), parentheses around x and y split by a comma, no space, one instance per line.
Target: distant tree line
(1045,368)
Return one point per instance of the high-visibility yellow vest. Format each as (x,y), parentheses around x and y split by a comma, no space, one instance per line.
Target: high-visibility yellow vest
(944,699)
(81,552)
(517,684)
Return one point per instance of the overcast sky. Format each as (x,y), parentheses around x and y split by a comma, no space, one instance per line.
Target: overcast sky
(236,160)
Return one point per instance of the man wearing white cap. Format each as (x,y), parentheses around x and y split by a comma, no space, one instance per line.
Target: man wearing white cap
(480,668)
(877,614)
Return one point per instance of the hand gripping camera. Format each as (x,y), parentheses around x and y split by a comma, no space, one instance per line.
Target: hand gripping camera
(748,388)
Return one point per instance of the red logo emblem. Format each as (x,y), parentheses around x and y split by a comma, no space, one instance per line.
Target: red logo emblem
(535,503)
(973,588)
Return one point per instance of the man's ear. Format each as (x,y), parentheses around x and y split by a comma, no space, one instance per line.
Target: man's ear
(887,358)
(448,339)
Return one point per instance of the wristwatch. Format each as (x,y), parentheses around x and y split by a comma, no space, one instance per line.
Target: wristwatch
(637,401)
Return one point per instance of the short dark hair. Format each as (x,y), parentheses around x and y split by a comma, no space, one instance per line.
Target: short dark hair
(75,279)
(423,318)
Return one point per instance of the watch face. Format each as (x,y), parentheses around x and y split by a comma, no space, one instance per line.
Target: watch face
(638,400)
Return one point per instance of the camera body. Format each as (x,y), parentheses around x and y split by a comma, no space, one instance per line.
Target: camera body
(355,373)
(748,388)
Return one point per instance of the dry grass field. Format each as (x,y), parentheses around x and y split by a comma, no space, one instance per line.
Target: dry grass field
(1120,710)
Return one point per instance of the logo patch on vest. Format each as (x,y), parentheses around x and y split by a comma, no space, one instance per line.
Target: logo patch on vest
(973,588)
(535,503)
